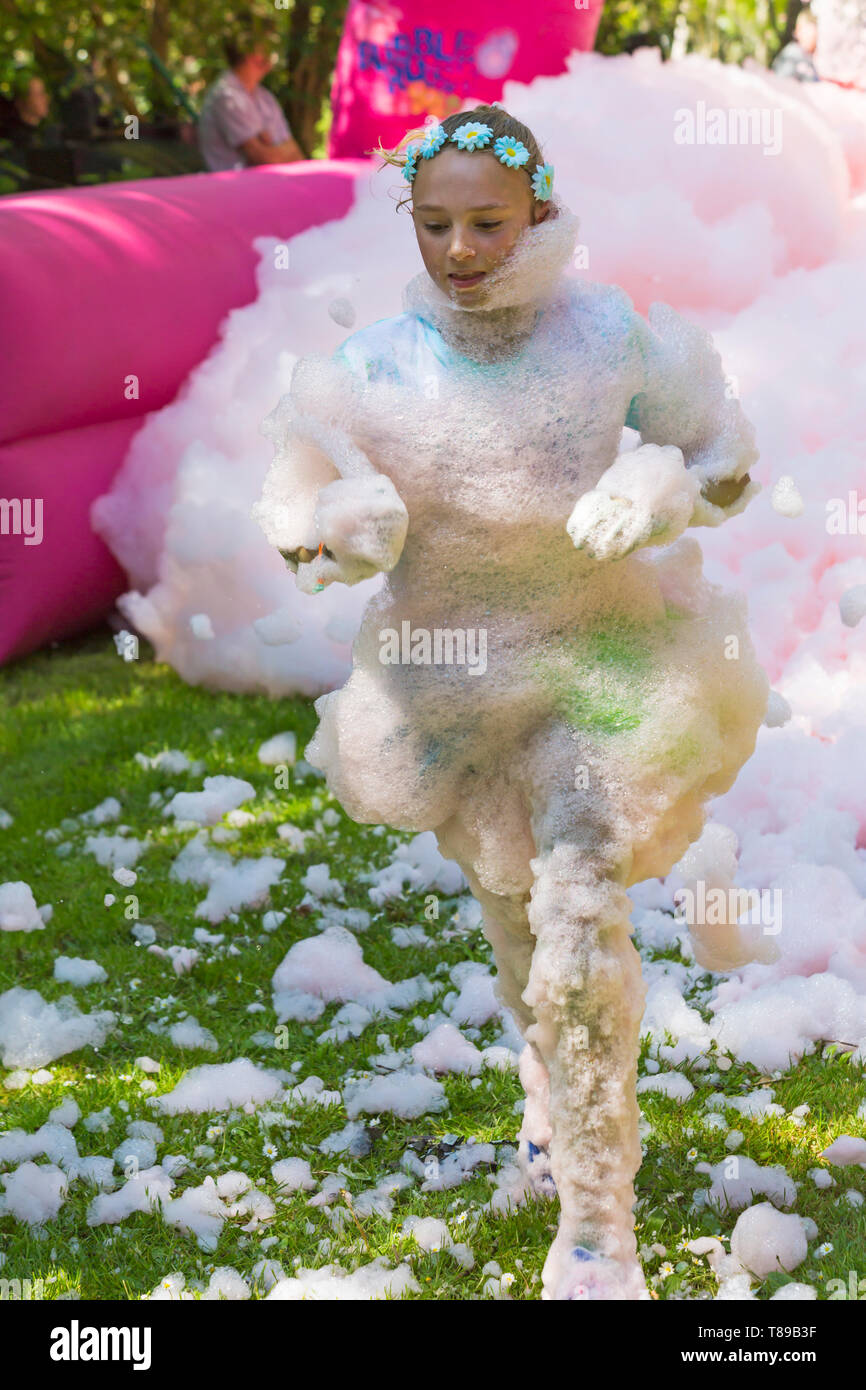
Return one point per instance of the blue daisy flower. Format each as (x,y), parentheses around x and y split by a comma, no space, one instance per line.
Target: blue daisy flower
(474,135)
(410,168)
(510,152)
(542,181)
(433,141)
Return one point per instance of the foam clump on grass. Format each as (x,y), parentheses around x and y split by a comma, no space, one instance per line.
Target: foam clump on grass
(34,1032)
(67,1113)
(227,1283)
(352,918)
(187,1034)
(143,1191)
(401,1093)
(170,1289)
(282,748)
(476,1001)
(757,1105)
(737,1190)
(221,1086)
(52,1140)
(34,1193)
(764,1240)
(353,1139)
(329,967)
(428,1232)
(319,884)
(293,1175)
(312,1092)
(332,1283)
(795,1293)
(219,795)
(169,760)
(139,1152)
(445,1049)
(115,851)
(198,1212)
(846,1149)
(18,910)
(415,867)
(668,1083)
(457,1166)
(75,970)
(775,1025)
(233,884)
(107,810)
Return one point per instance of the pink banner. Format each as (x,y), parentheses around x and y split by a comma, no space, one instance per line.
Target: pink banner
(402,60)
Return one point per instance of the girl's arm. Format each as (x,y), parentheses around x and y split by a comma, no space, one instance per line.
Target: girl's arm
(692,468)
(326,508)
(685,400)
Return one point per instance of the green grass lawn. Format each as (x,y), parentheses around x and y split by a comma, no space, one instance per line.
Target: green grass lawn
(72,719)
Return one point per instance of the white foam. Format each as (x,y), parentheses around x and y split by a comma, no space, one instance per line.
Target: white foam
(220,1087)
(34,1032)
(75,970)
(18,911)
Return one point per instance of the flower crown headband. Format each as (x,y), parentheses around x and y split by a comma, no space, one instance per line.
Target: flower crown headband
(475,135)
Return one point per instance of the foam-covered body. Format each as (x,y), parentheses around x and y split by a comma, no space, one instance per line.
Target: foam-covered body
(600,701)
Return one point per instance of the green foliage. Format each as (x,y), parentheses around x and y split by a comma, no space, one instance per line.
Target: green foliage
(730,30)
(115,44)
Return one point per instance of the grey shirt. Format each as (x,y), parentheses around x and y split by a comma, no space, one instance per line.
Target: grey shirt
(794,61)
(230,116)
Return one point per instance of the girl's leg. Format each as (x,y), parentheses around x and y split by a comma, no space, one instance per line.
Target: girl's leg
(506,927)
(586,991)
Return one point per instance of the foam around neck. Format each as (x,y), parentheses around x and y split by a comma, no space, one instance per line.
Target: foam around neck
(516,290)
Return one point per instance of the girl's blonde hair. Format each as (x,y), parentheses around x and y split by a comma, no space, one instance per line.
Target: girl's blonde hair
(496,117)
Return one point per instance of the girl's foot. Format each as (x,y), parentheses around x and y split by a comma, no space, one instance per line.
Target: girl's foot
(581,1274)
(535,1163)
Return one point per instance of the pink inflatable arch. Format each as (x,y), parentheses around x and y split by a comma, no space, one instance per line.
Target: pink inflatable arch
(402,60)
(111,296)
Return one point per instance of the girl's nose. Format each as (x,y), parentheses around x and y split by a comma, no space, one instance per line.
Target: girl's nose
(460,249)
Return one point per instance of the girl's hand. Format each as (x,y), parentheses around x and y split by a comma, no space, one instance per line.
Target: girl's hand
(646,497)
(362,524)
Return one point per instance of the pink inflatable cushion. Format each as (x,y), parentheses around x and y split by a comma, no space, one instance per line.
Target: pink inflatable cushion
(67,581)
(100,284)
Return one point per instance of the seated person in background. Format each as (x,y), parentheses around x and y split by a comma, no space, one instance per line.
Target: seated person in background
(24,119)
(241,122)
(795,59)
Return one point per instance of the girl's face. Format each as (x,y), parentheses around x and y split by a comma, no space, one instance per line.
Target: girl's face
(469,210)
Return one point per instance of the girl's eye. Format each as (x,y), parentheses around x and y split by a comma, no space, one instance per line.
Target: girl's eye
(489,226)
(434,226)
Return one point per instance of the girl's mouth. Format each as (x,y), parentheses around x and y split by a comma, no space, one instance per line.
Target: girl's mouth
(467,282)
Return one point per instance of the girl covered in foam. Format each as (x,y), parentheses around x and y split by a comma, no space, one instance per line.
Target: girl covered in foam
(545,679)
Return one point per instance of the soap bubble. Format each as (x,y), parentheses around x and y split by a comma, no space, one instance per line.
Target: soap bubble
(342,311)
(785,498)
